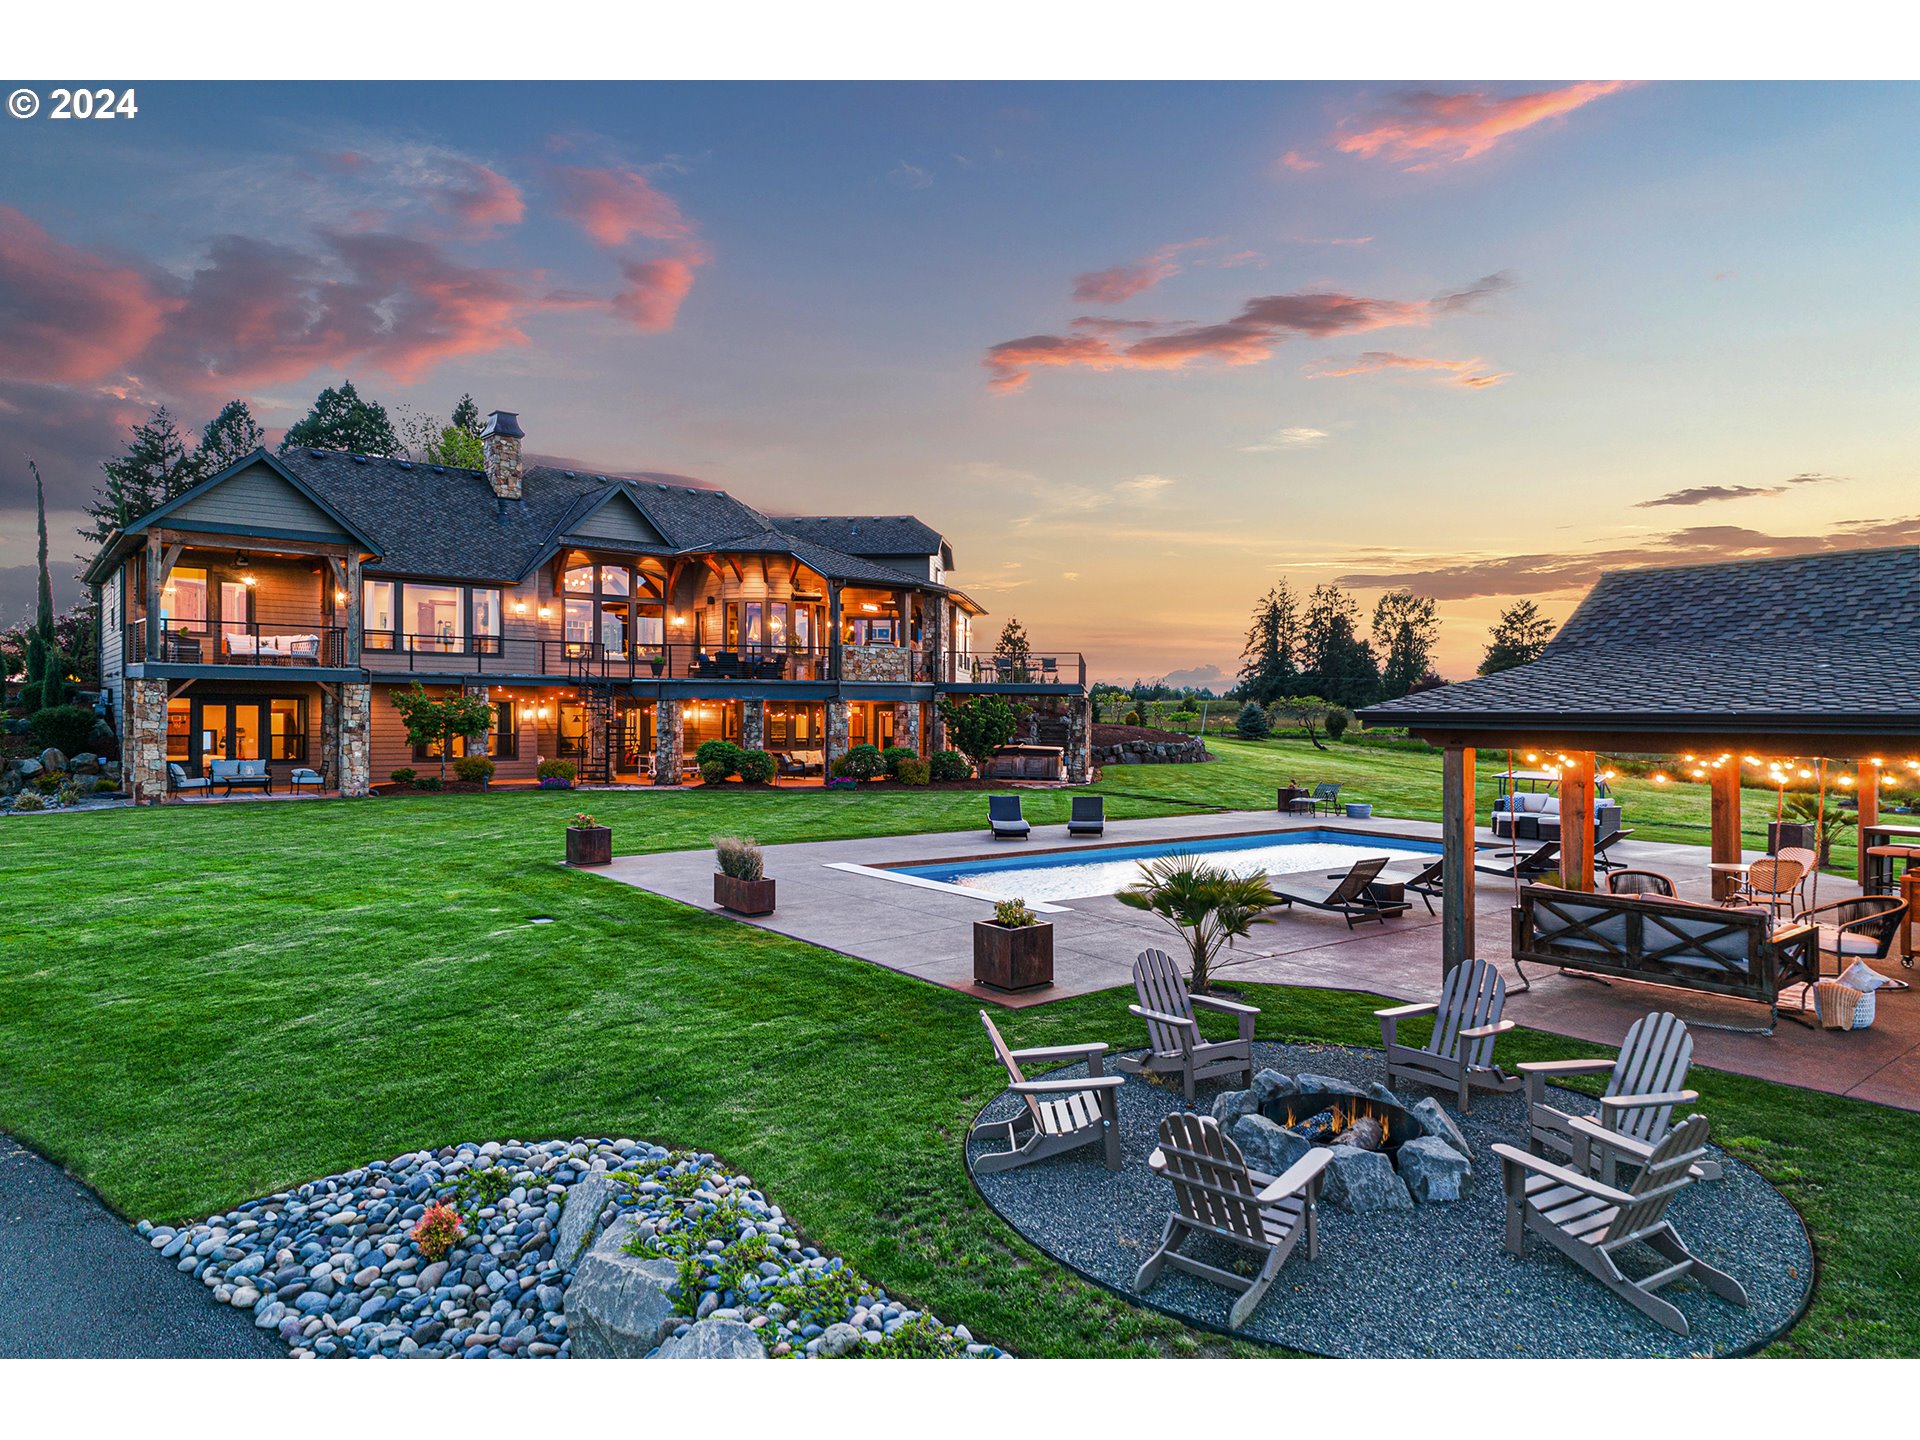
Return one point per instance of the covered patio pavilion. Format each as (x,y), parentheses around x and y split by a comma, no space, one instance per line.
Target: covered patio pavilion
(1813,658)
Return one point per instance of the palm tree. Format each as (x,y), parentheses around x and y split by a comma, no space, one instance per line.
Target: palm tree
(1209,906)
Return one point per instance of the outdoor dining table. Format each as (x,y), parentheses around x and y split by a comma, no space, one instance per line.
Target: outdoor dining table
(1883,842)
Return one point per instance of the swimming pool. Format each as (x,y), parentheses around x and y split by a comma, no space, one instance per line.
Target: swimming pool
(1103,870)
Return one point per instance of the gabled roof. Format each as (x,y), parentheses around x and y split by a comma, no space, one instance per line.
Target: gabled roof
(865,534)
(1809,644)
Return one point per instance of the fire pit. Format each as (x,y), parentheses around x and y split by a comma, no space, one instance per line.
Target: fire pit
(1387,1154)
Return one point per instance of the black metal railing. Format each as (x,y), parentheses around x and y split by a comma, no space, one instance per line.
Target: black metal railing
(1066,668)
(240,642)
(585,659)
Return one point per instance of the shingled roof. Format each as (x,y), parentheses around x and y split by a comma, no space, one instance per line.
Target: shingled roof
(865,534)
(1811,644)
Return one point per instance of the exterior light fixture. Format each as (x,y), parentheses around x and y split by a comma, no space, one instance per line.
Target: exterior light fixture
(339,597)
(546,612)
(519,607)
(250,579)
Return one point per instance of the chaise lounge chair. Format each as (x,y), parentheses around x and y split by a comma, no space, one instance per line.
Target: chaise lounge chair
(1349,895)
(1429,884)
(1005,819)
(1587,1221)
(1540,862)
(1215,1195)
(1089,816)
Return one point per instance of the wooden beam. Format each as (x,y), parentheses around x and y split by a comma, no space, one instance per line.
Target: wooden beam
(1724,784)
(1457,851)
(1868,790)
(1897,743)
(152,568)
(1576,820)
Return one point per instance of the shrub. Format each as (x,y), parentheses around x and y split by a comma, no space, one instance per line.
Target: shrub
(1014,914)
(718,759)
(914,772)
(893,755)
(428,782)
(46,782)
(583,821)
(1133,717)
(949,765)
(739,857)
(437,1231)
(474,769)
(756,767)
(1252,722)
(67,728)
(27,801)
(862,762)
(405,775)
(1184,717)
(1337,721)
(556,770)
(921,1338)
(104,786)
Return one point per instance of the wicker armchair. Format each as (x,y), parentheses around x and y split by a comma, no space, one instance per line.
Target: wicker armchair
(1859,929)
(1773,882)
(1808,864)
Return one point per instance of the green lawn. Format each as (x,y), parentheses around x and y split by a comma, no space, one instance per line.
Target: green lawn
(201,1005)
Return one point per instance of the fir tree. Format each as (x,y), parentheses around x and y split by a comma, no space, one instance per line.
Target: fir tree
(341,420)
(1336,663)
(1014,650)
(466,416)
(1269,665)
(1405,629)
(156,467)
(1519,637)
(231,435)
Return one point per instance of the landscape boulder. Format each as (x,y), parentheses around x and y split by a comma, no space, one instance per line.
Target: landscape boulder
(580,1219)
(1272,1085)
(1268,1146)
(1436,1122)
(1230,1105)
(713,1339)
(1362,1181)
(1434,1172)
(616,1302)
(52,759)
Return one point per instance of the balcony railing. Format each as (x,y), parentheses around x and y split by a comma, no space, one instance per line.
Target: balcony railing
(590,660)
(986,667)
(237,642)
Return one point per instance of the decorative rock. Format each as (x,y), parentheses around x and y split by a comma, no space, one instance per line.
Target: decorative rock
(580,1219)
(1230,1105)
(616,1303)
(713,1339)
(1364,1181)
(1433,1170)
(1308,1084)
(1436,1122)
(1267,1146)
(842,1339)
(1272,1085)
(53,760)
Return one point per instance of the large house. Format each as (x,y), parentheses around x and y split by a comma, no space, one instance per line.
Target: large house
(616,622)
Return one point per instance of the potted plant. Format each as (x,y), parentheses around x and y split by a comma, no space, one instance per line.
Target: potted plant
(588,842)
(656,663)
(740,883)
(556,774)
(1014,950)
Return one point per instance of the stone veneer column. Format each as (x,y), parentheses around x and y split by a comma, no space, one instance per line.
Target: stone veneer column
(906,725)
(356,738)
(667,736)
(1079,756)
(838,720)
(937,726)
(143,751)
(753,724)
(484,694)
(329,739)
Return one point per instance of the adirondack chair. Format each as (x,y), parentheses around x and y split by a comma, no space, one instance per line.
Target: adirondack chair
(1174,1040)
(1004,818)
(1060,1115)
(1216,1196)
(1466,1021)
(1643,1086)
(1587,1220)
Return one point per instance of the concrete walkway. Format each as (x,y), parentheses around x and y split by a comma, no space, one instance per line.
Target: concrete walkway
(77,1282)
(927,933)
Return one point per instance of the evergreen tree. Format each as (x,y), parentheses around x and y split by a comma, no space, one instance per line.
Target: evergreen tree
(1519,637)
(1405,629)
(1335,662)
(156,467)
(43,611)
(1252,723)
(341,420)
(466,416)
(1014,650)
(1270,665)
(46,667)
(229,436)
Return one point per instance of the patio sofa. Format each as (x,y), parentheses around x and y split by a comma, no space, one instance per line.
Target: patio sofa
(1537,817)
(1661,941)
(248,774)
(178,779)
(271,649)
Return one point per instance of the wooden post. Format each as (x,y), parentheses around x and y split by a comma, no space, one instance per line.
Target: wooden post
(833,628)
(154,583)
(1725,784)
(1869,792)
(1576,821)
(1457,853)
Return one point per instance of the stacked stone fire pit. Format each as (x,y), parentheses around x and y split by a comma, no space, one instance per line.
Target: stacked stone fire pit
(1388,1154)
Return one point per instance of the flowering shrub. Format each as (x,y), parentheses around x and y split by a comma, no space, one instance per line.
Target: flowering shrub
(557,770)
(1014,914)
(437,1231)
(582,821)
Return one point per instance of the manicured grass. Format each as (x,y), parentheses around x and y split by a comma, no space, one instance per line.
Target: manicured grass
(201,1005)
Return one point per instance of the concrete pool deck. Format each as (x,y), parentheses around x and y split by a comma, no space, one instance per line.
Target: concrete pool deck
(927,933)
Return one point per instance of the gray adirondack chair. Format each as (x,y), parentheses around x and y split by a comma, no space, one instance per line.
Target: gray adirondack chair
(1174,1041)
(1060,1115)
(1466,1021)
(1587,1220)
(1643,1086)
(1216,1195)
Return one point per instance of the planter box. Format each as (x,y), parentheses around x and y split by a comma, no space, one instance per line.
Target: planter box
(1358,811)
(590,847)
(1286,795)
(1012,959)
(743,897)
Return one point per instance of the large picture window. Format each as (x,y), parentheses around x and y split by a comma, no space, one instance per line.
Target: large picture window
(503,739)
(436,617)
(287,730)
(486,621)
(377,614)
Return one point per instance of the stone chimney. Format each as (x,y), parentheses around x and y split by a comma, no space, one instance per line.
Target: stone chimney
(500,447)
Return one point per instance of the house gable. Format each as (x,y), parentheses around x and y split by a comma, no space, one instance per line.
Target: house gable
(619,520)
(256,495)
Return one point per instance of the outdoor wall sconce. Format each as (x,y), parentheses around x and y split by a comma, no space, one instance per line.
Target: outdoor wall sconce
(546,612)
(249,579)
(520,607)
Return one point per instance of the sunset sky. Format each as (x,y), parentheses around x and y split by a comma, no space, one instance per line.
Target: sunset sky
(1137,350)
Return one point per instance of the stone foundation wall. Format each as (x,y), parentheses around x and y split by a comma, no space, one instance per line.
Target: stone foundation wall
(838,717)
(906,726)
(753,724)
(356,739)
(1079,747)
(1190,751)
(668,737)
(876,662)
(143,745)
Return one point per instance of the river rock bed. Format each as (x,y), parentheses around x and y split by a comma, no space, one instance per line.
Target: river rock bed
(331,1266)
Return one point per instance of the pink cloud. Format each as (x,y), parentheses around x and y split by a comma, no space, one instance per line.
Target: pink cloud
(67,315)
(481,198)
(655,288)
(1426,128)
(1375,362)
(1293,160)
(614,205)
(1123,282)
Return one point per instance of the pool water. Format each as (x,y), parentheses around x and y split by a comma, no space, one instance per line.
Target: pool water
(1077,874)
